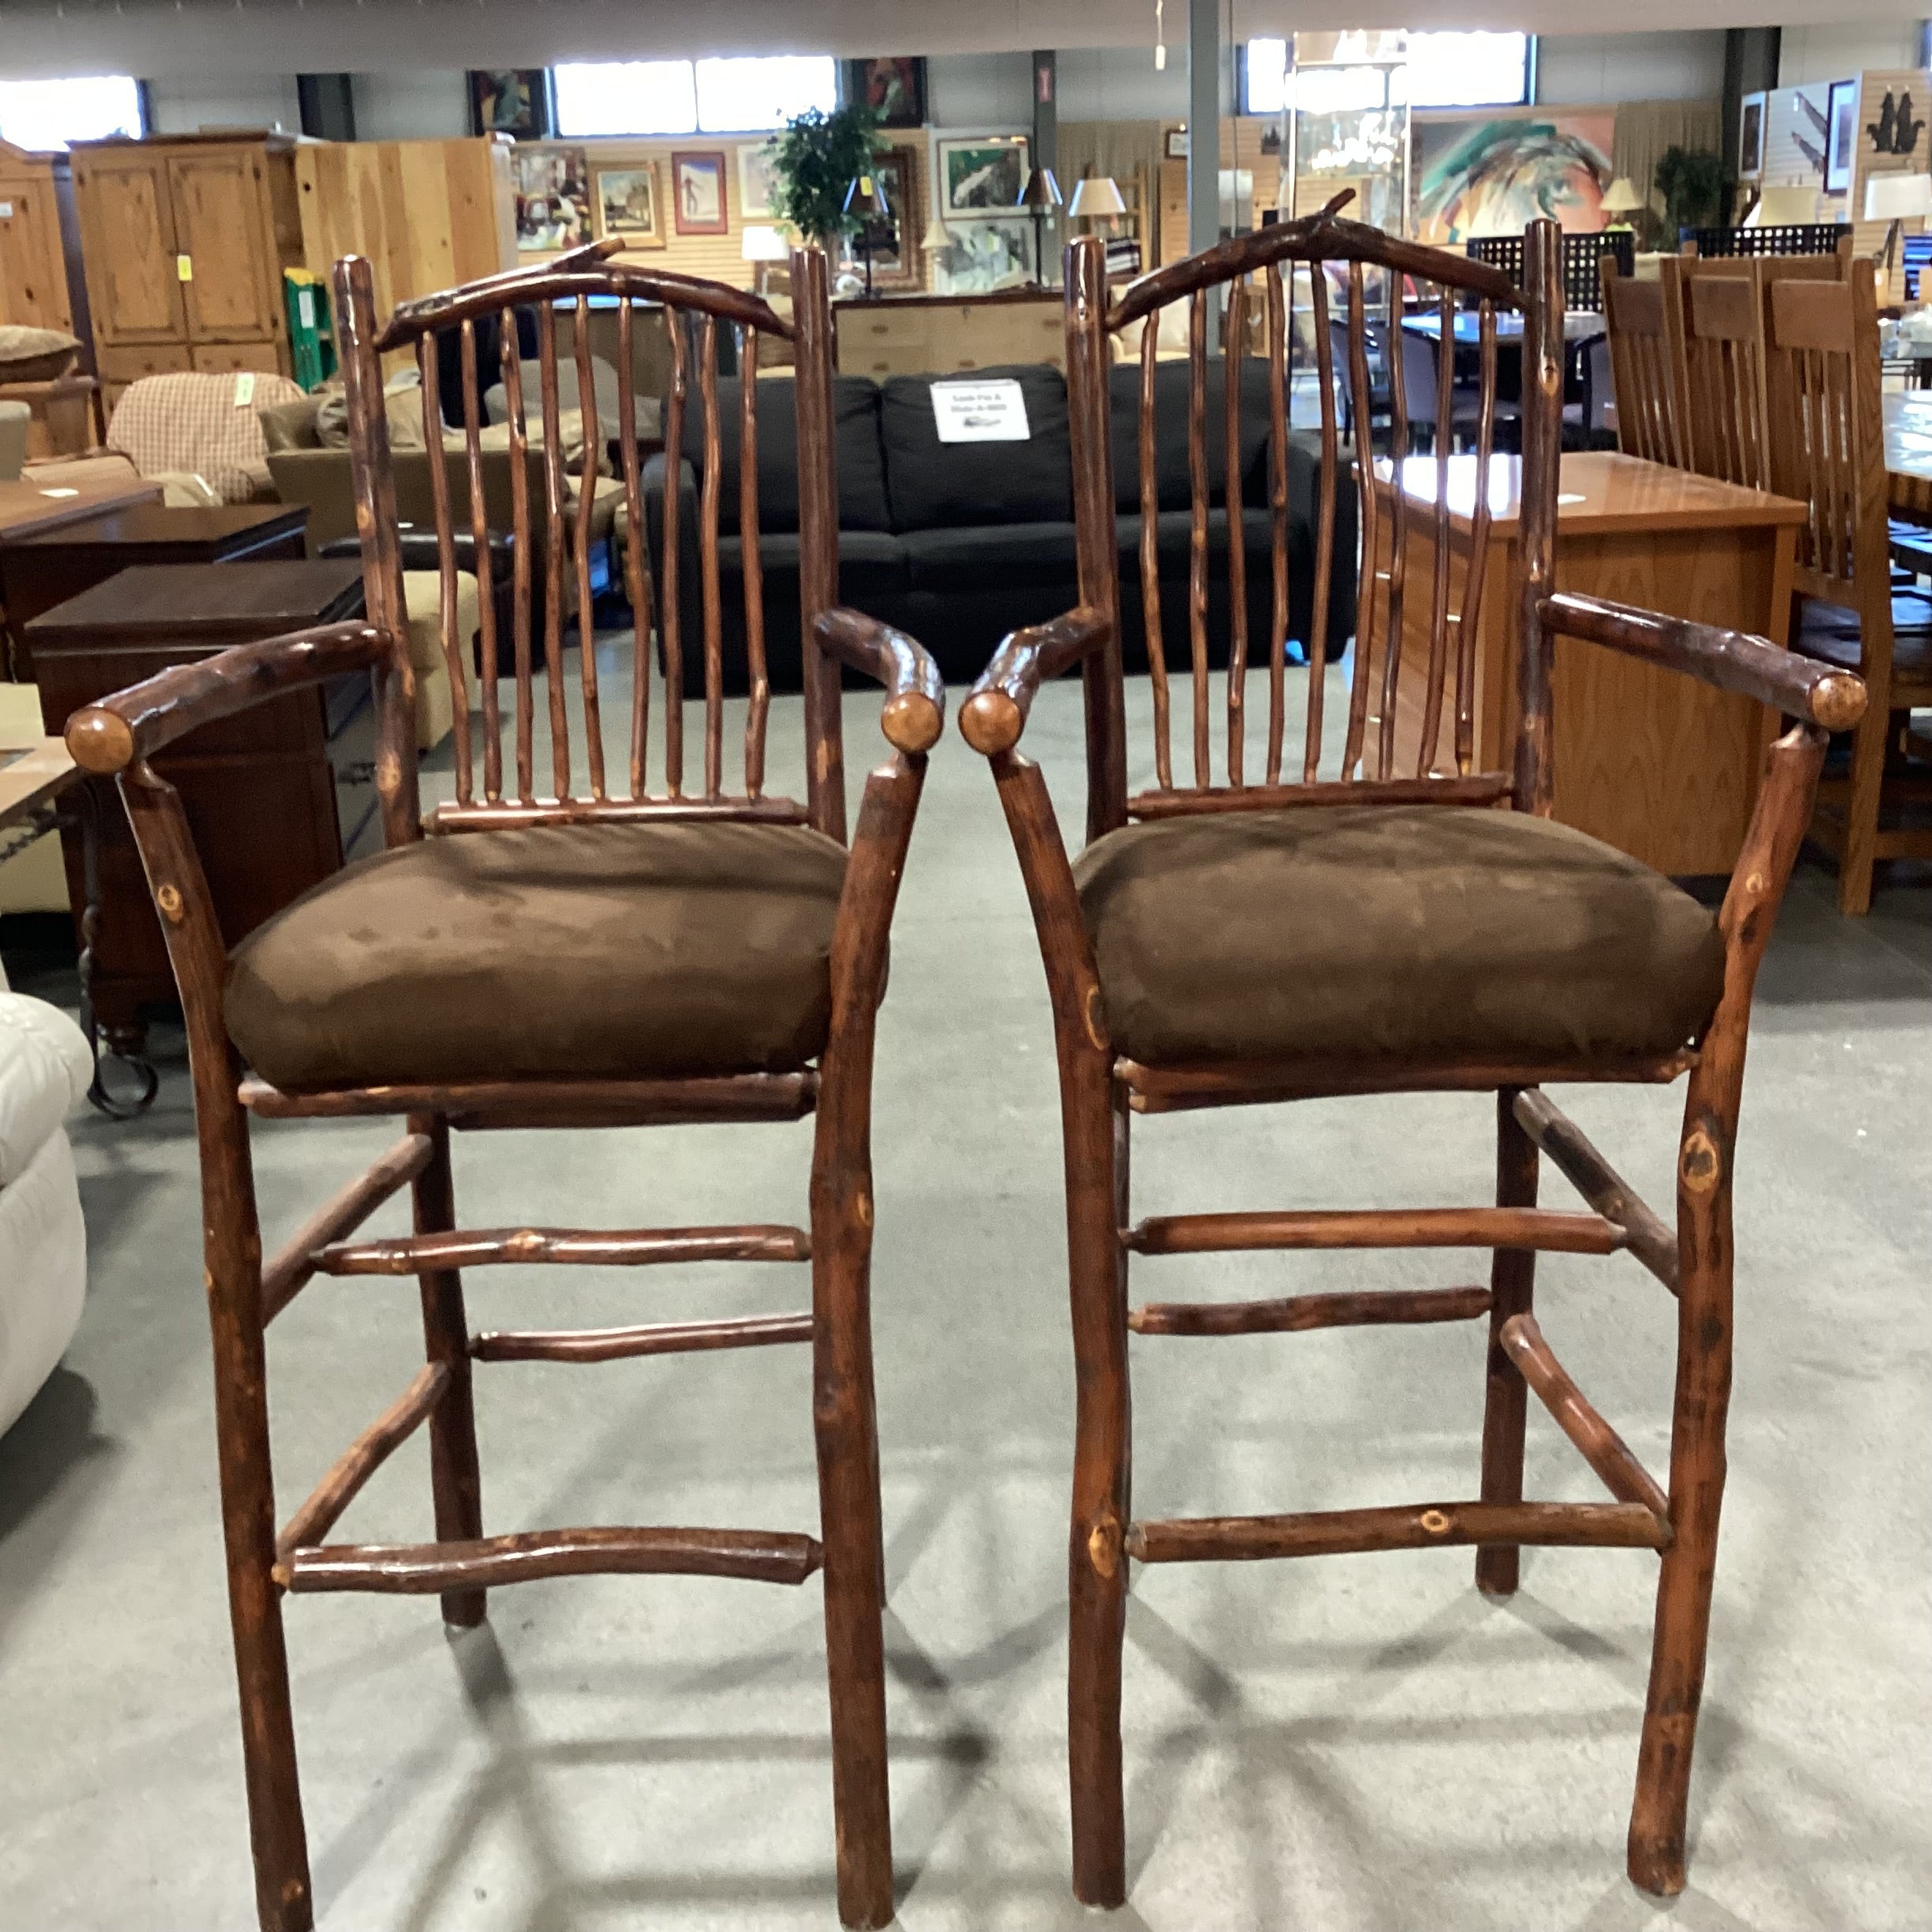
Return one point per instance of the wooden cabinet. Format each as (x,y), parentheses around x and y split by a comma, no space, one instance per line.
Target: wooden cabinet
(942,334)
(41,285)
(186,239)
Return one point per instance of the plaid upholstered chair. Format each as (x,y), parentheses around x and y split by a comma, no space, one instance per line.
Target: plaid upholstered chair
(564,944)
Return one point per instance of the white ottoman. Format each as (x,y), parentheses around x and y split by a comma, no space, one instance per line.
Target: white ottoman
(44,1072)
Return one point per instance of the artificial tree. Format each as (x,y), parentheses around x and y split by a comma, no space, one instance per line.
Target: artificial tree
(1692,182)
(818,156)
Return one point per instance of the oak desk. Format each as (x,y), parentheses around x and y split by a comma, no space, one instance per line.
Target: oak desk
(1908,455)
(1651,762)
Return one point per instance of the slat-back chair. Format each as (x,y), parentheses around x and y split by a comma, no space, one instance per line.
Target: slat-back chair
(1827,449)
(1646,368)
(565,949)
(1287,933)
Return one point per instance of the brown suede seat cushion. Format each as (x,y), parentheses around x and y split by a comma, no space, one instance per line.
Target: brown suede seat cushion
(601,951)
(1390,933)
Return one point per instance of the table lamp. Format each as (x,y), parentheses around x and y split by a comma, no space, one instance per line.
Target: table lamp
(1096,196)
(1896,198)
(761,247)
(866,199)
(1039,196)
(1621,197)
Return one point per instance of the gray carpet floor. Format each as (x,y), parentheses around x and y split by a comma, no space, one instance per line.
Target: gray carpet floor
(1356,1744)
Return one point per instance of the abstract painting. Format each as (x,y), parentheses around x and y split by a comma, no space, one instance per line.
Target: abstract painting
(982,175)
(552,198)
(893,86)
(1495,176)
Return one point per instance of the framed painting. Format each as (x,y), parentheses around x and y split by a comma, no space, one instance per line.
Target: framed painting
(697,192)
(552,199)
(892,238)
(994,253)
(1841,136)
(1750,137)
(981,174)
(893,86)
(1493,174)
(628,209)
(511,100)
(757,176)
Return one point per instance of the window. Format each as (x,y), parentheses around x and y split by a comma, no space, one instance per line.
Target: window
(747,96)
(677,97)
(1444,70)
(625,97)
(47,114)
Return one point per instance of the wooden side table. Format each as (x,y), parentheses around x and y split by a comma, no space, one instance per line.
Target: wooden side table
(46,568)
(41,791)
(260,790)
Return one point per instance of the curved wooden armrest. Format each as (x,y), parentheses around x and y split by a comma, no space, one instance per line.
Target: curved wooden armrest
(995,711)
(915,713)
(134,725)
(1733,660)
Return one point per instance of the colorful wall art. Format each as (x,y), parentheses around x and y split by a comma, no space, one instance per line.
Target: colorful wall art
(1496,175)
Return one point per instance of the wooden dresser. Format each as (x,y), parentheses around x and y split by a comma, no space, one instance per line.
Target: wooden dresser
(186,239)
(261,790)
(937,335)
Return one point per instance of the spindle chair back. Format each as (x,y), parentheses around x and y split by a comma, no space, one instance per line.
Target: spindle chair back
(1272,932)
(1827,450)
(602,943)
(1646,364)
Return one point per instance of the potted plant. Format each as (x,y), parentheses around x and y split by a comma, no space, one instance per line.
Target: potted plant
(818,156)
(1693,183)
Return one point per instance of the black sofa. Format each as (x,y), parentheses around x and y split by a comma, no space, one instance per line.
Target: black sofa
(960,543)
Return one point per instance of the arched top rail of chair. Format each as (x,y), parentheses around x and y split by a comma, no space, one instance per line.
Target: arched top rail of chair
(581,273)
(1320,237)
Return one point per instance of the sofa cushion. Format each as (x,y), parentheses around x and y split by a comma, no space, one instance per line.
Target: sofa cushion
(855,452)
(43,1273)
(1384,934)
(972,556)
(29,354)
(44,1073)
(936,485)
(1172,478)
(586,951)
(871,563)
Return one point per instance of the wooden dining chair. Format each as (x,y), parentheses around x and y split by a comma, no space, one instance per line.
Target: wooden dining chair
(1827,449)
(568,949)
(1646,368)
(1287,929)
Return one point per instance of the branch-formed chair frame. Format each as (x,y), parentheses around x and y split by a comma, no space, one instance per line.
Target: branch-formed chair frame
(122,735)
(1101,1089)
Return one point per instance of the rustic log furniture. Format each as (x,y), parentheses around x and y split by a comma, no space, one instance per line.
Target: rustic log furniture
(1828,449)
(666,1010)
(1404,906)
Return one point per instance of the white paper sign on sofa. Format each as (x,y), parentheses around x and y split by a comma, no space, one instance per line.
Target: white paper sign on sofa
(980,412)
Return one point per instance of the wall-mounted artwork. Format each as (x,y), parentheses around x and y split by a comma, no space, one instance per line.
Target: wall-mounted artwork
(893,87)
(1750,137)
(629,209)
(1895,128)
(1841,133)
(552,198)
(509,100)
(982,173)
(1496,175)
(757,173)
(891,238)
(698,192)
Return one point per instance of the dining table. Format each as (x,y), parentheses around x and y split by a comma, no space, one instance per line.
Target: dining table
(1908,454)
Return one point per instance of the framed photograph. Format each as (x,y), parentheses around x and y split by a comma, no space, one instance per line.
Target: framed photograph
(1177,143)
(628,207)
(511,100)
(892,238)
(981,174)
(698,192)
(757,176)
(552,199)
(1841,135)
(1750,137)
(893,87)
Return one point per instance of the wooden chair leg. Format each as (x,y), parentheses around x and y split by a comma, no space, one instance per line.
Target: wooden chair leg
(846,1421)
(1094,1121)
(1657,1861)
(1512,1281)
(1857,856)
(282,1900)
(455,1480)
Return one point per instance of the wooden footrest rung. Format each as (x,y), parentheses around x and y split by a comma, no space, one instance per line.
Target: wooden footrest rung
(426,1569)
(1335,1532)
(1539,1228)
(291,1271)
(1297,1314)
(1599,1184)
(426,1254)
(602,1345)
(1599,1444)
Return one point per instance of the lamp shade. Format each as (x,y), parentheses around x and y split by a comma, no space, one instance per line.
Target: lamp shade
(1898,197)
(1041,191)
(1096,194)
(763,244)
(1621,197)
(866,196)
(939,237)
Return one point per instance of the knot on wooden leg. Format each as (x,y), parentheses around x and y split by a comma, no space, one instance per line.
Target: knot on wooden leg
(1699,1165)
(1103,1547)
